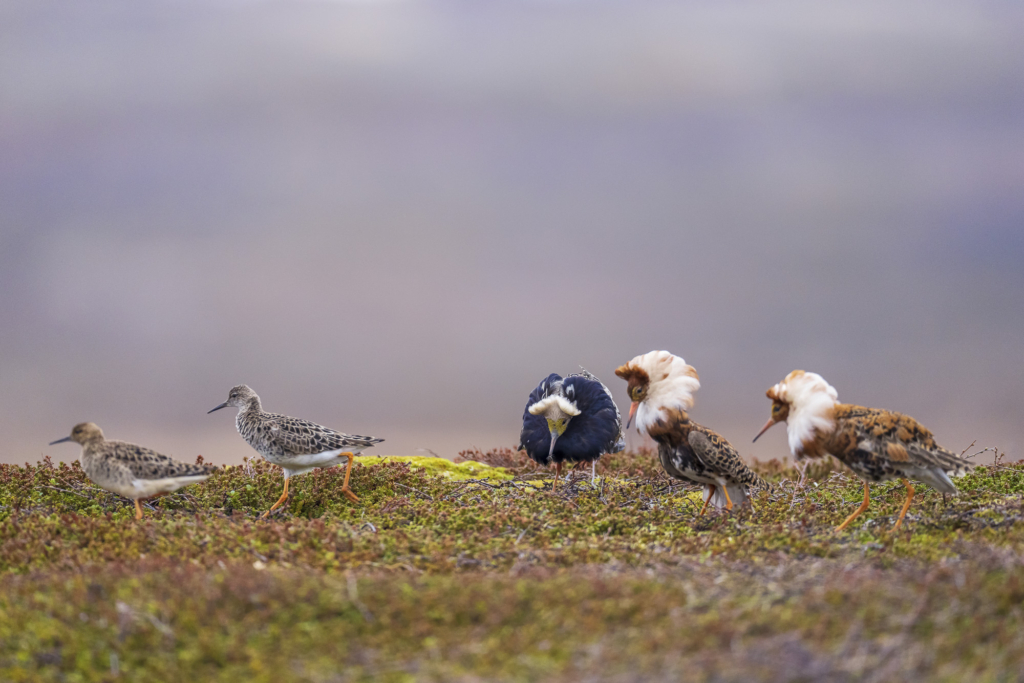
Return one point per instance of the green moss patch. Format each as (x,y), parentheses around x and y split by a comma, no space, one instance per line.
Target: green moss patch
(441,467)
(478,570)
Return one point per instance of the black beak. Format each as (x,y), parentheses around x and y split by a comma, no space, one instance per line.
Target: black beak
(632,413)
(222,405)
(767,426)
(551,451)
(66,438)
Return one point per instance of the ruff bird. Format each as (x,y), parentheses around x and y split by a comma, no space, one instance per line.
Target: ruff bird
(297,446)
(572,419)
(878,445)
(661,388)
(134,472)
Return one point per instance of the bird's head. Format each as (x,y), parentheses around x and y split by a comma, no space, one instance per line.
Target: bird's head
(806,398)
(558,409)
(83,433)
(239,397)
(656,381)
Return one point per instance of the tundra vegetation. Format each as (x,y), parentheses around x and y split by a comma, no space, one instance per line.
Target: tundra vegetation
(475,570)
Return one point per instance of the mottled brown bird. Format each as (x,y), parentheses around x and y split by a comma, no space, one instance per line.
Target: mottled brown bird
(296,445)
(878,445)
(661,388)
(131,471)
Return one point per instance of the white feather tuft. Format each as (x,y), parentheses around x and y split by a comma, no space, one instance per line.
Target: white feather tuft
(810,400)
(672,383)
(557,401)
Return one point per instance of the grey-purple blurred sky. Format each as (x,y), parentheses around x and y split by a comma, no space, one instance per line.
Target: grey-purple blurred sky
(395,218)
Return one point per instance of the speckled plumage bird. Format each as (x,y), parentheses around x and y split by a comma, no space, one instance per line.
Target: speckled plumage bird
(132,471)
(296,445)
(661,388)
(878,445)
(574,419)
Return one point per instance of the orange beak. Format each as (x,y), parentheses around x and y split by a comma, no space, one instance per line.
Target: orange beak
(632,413)
(767,426)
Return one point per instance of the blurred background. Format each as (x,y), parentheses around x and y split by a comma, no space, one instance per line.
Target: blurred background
(396,218)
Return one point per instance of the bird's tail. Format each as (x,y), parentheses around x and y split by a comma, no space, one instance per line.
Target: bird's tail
(935,465)
(195,469)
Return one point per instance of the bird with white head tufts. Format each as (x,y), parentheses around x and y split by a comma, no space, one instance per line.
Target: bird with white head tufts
(573,420)
(878,445)
(661,387)
(296,445)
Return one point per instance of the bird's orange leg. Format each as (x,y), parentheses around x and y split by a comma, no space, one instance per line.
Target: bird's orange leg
(710,496)
(906,505)
(558,471)
(348,473)
(856,513)
(728,501)
(282,499)
(138,510)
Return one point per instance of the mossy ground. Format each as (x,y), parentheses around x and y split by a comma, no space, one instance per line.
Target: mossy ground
(464,571)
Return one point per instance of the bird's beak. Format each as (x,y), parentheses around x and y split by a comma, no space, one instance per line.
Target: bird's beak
(222,405)
(554,438)
(767,426)
(632,413)
(66,438)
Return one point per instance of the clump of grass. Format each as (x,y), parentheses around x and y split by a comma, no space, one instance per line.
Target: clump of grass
(807,619)
(408,517)
(783,470)
(492,575)
(642,463)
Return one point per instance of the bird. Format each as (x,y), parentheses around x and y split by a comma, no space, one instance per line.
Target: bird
(661,387)
(878,445)
(132,471)
(571,419)
(296,445)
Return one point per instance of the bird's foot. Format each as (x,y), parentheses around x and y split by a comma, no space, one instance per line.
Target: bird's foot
(348,494)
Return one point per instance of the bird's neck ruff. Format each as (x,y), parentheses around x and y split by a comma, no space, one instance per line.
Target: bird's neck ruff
(670,386)
(554,407)
(812,402)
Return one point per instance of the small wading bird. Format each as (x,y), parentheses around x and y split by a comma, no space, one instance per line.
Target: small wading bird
(131,471)
(571,420)
(297,446)
(661,388)
(878,445)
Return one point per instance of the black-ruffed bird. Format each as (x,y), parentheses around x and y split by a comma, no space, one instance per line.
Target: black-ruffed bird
(572,420)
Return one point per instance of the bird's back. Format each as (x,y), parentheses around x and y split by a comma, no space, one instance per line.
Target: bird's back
(124,468)
(879,445)
(721,458)
(280,436)
(883,443)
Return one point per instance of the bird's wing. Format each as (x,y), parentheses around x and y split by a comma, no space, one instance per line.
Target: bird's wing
(719,456)
(619,443)
(599,416)
(302,437)
(145,463)
(900,440)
